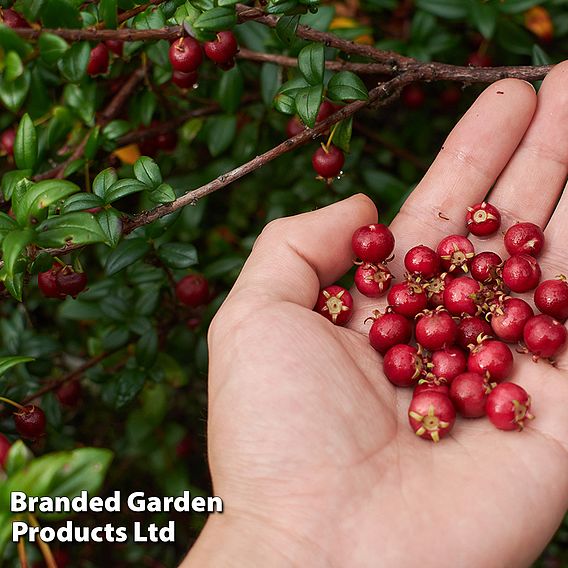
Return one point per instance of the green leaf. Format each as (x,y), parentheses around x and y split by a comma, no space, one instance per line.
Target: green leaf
(342,134)
(9,362)
(311,61)
(15,285)
(11,41)
(346,86)
(11,179)
(93,143)
(516,6)
(513,38)
(51,48)
(13,245)
(230,90)
(13,93)
(539,56)
(116,128)
(178,255)
(25,145)
(125,254)
(13,66)
(220,132)
(129,384)
(73,64)
(18,457)
(308,101)
(7,224)
(216,19)
(270,82)
(147,349)
(484,17)
(81,99)
(78,228)
(108,13)
(111,225)
(59,126)
(148,172)
(285,103)
(81,202)
(123,187)
(449,9)
(152,18)
(286,28)
(164,193)
(103,182)
(40,196)
(60,14)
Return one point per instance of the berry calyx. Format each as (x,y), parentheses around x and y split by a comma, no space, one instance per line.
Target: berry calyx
(407,299)
(507,407)
(184,80)
(491,358)
(328,161)
(98,60)
(435,289)
(485,266)
(30,422)
(193,290)
(372,280)
(524,238)
(431,415)
(388,330)
(509,318)
(544,336)
(445,365)
(521,273)
(468,393)
(551,298)
(422,261)
(463,296)
(336,304)
(4,449)
(402,365)
(483,219)
(435,329)
(7,140)
(373,243)
(69,282)
(185,55)
(470,329)
(456,252)
(223,48)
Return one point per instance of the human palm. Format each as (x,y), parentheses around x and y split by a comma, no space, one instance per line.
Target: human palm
(309,444)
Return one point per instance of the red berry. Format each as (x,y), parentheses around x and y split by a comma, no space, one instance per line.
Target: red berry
(483,219)
(413,96)
(223,48)
(185,55)
(436,330)
(372,280)
(407,299)
(327,162)
(435,289)
(227,65)
(71,283)
(431,387)
(30,422)
(7,140)
(69,393)
(389,330)
(450,96)
(468,393)
(462,296)
(551,298)
(373,243)
(470,329)
(521,273)
(402,365)
(336,304)
(491,358)
(12,19)
(456,252)
(431,415)
(508,406)
(326,109)
(294,126)
(526,238)
(184,80)
(447,364)
(544,336)
(98,60)
(193,290)
(4,449)
(509,319)
(479,60)
(485,266)
(422,261)
(47,282)
(167,141)
(116,46)
(148,146)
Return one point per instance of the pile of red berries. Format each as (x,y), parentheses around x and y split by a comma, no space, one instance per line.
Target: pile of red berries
(186,56)
(61,281)
(458,307)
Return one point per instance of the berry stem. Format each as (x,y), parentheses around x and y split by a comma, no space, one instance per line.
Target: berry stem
(22,555)
(43,546)
(11,402)
(330,139)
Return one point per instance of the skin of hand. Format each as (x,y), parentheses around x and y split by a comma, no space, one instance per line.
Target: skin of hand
(309,444)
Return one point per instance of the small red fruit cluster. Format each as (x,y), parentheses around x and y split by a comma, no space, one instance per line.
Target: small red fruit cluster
(458,307)
(61,281)
(186,56)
